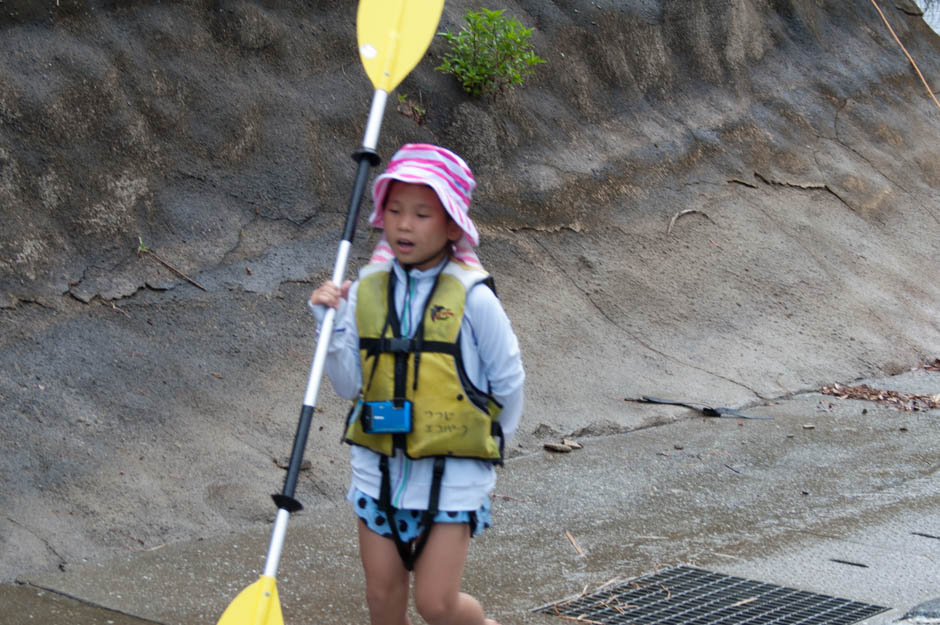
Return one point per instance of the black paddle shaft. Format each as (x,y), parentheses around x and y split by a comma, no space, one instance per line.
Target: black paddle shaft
(367,158)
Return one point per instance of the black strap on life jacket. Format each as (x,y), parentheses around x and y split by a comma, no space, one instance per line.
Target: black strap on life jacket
(409,551)
(400,346)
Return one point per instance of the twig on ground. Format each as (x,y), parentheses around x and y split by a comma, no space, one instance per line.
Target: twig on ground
(574,543)
(143,249)
(687,211)
(510,498)
(907,54)
(123,312)
(579,619)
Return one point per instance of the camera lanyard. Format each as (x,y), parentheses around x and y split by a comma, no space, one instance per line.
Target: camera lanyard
(406,307)
(398,345)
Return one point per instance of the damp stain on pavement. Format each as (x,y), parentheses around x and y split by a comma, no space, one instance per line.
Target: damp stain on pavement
(25,603)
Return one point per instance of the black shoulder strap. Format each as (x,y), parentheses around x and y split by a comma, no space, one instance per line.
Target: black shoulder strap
(490,282)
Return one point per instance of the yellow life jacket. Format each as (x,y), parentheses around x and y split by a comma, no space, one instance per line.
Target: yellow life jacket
(450,416)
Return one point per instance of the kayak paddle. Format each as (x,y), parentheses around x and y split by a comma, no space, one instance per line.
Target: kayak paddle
(393,35)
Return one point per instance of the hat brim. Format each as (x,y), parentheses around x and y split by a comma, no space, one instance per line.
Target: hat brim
(458,213)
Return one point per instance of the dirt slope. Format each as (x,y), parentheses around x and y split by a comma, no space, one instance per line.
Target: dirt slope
(138,407)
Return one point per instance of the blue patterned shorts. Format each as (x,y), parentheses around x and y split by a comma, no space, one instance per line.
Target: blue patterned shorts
(409,521)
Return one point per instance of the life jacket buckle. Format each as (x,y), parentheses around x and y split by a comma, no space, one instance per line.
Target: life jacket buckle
(396,345)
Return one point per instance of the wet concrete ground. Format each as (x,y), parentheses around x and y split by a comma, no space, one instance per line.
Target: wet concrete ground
(838,497)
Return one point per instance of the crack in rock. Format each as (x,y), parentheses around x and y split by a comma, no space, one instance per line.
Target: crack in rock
(41,539)
(632,336)
(807,186)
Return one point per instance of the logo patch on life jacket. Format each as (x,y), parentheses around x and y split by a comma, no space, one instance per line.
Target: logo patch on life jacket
(439,313)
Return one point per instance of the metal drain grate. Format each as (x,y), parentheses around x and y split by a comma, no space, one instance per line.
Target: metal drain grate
(684,596)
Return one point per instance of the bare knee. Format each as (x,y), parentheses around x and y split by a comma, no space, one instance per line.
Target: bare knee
(389,596)
(435,608)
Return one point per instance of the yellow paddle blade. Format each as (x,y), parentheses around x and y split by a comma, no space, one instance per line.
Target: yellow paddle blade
(393,36)
(256,605)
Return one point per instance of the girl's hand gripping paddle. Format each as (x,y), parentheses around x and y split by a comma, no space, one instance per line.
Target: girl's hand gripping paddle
(393,36)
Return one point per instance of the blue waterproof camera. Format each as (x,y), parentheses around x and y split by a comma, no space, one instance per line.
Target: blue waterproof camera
(384,417)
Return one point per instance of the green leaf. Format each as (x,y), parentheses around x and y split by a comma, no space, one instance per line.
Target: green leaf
(489,52)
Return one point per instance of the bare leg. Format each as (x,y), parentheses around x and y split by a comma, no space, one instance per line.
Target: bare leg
(438,572)
(387,579)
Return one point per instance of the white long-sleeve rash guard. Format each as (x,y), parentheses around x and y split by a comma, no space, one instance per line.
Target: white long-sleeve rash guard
(492,360)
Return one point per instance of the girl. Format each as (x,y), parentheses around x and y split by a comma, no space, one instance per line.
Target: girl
(423,346)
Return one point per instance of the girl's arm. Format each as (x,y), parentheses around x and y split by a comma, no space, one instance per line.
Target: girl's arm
(498,352)
(342,360)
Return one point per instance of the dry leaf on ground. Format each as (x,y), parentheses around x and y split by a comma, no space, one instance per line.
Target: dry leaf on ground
(908,402)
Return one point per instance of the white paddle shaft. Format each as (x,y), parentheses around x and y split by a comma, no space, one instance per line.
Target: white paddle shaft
(369,142)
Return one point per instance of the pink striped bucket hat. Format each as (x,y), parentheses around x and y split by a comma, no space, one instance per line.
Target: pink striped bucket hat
(439,168)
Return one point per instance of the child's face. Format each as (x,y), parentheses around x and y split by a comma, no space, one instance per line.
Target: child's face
(417,227)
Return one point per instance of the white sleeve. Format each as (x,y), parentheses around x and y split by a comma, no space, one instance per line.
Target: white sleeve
(498,352)
(342,358)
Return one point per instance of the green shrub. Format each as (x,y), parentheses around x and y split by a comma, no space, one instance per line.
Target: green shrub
(490,53)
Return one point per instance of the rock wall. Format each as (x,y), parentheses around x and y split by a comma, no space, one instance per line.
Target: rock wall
(724,201)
